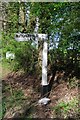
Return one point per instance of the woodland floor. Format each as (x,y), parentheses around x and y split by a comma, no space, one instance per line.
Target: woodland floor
(26,105)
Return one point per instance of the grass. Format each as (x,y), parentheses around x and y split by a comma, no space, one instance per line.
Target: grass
(4,69)
(14,100)
(0,111)
(66,109)
(73,83)
(11,98)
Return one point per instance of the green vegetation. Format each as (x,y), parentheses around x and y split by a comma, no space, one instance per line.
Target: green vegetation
(4,68)
(63,109)
(73,83)
(15,98)
(0,110)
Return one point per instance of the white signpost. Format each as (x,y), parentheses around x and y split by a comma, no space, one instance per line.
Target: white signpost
(44,37)
(35,37)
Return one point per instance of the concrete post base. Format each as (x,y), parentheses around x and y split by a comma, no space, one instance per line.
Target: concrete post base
(44,101)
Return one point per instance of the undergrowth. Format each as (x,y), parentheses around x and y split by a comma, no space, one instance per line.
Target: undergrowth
(15,98)
(67,109)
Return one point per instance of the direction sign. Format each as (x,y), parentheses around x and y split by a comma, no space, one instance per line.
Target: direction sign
(24,37)
(28,36)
